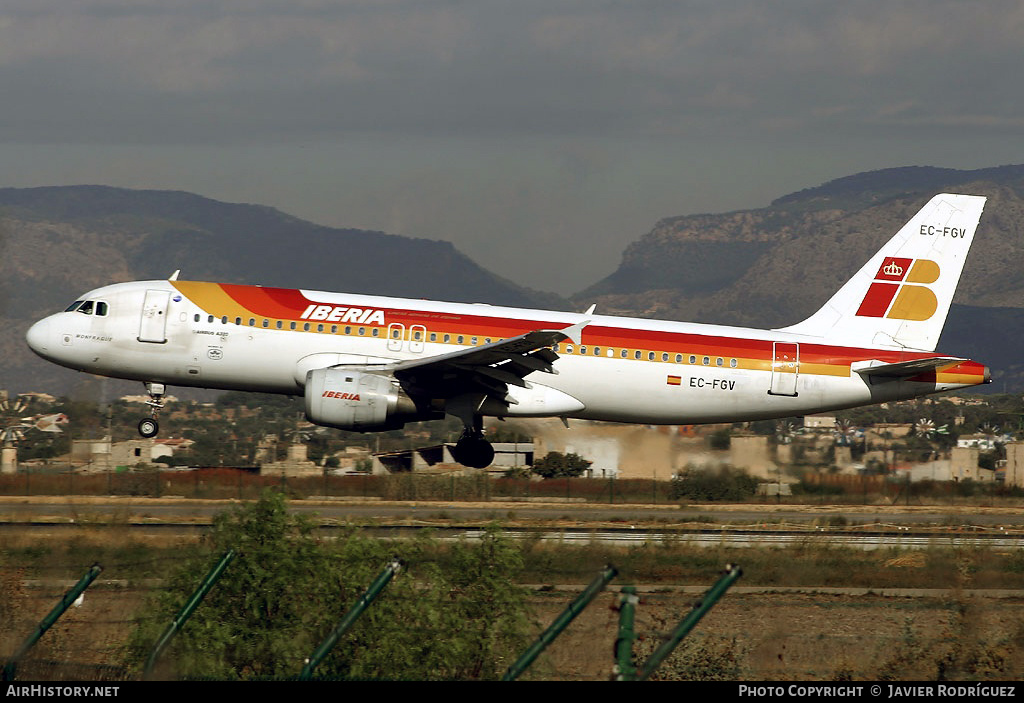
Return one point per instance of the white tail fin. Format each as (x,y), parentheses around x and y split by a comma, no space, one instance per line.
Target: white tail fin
(901,296)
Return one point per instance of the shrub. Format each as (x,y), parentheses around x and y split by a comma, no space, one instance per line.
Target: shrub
(724,483)
(286,590)
(558,465)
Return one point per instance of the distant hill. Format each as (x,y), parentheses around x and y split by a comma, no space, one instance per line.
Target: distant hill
(774,266)
(58,242)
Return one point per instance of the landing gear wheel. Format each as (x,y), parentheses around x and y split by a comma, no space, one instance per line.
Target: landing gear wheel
(474,452)
(148,427)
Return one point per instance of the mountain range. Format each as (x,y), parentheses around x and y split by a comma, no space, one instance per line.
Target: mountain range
(764,267)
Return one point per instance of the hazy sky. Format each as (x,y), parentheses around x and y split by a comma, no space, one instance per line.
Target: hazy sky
(540,136)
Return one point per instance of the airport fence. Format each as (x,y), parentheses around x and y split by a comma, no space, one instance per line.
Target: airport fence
(248,484)
(239,484)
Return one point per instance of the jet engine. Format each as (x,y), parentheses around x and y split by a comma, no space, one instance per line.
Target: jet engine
(357,401)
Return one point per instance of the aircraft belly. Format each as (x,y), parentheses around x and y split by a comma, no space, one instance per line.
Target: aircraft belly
(653,393)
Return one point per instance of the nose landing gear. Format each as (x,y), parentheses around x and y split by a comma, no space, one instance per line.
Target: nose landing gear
(148,426)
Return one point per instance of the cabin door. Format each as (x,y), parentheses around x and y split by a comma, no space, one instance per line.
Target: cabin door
(153,327)
(785,368)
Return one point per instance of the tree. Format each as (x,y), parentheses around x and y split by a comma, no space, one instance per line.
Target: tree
(558,465)
(287,590)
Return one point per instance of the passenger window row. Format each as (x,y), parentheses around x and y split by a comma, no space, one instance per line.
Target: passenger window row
(416,335)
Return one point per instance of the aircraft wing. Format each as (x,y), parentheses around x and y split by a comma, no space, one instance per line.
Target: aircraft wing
(479,373)
(905,368)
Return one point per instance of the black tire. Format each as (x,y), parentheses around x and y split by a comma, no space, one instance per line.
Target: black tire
(148,427)
(474,452)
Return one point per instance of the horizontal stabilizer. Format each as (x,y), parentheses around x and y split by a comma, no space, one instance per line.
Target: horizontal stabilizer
(905,368)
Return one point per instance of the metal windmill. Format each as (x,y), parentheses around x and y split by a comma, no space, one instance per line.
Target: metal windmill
(845,432)
(989,430)
(14,424)
(784,432)
(925,427)
(16,406)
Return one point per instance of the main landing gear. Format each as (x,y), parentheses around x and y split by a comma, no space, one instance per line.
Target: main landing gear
(473,450)
(148,426)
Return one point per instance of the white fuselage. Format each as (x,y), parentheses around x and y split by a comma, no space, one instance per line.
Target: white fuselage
(624,370)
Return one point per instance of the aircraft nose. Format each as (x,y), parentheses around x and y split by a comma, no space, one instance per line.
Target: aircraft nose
(38,337)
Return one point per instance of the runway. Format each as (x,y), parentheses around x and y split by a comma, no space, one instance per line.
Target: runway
(860,527)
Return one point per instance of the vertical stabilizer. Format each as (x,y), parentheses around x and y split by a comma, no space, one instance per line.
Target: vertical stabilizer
(900,298)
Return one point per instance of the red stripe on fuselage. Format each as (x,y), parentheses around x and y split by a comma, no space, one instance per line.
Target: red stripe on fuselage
(286,303)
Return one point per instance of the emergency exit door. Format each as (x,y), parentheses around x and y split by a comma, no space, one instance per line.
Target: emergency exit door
(153,326)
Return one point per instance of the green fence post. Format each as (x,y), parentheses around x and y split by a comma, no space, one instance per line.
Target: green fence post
(560,623)
(186,612)
(375,589)
(705,604)
(625,669)
(10,668)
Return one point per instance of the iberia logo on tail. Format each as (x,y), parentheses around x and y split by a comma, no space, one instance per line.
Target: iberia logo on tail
(891,295)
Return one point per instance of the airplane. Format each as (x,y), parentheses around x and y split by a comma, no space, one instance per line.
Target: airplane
(372,363)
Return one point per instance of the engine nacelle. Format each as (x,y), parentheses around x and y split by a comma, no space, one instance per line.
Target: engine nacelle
(357,401)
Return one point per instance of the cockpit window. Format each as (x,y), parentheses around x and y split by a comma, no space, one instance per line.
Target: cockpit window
(88,307)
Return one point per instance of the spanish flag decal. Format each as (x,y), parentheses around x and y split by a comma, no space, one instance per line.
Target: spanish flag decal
(891,296)
(675,380)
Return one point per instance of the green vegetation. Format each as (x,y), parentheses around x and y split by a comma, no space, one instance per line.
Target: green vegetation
(558,465)
(722,484)
(286,590)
